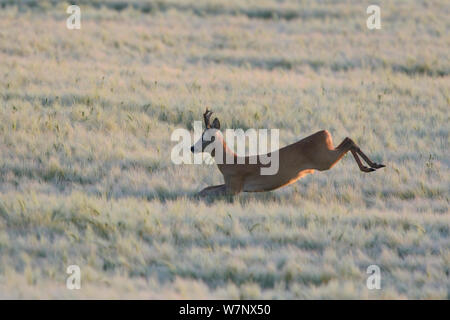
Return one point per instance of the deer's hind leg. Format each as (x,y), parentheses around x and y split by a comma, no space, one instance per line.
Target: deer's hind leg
(326,158)
(349,145)
(366,158)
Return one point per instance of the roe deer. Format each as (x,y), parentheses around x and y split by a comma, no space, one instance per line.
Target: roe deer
(315,152)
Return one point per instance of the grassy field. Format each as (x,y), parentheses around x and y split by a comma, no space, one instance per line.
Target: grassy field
(86,176)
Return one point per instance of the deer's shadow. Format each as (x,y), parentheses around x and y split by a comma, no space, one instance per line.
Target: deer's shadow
(242,198)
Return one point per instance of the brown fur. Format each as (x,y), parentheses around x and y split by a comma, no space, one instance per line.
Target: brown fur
(315,152)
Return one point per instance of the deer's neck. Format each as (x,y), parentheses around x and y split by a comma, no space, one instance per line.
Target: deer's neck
(225,155)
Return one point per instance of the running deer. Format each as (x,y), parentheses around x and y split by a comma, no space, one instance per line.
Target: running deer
(315,152)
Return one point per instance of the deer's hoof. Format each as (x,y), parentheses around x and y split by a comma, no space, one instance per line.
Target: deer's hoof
(365,169)
(378,166)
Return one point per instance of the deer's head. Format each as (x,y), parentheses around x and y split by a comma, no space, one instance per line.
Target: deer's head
(209,134)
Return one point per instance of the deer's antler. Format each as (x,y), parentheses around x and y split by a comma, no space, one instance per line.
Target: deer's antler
(206,117)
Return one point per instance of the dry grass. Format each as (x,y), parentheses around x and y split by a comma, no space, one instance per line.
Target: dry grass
(86,176)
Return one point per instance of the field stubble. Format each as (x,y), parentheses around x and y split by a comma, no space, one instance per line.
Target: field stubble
(86,176)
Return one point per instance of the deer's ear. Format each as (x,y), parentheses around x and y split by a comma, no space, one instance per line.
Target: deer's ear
(216,124)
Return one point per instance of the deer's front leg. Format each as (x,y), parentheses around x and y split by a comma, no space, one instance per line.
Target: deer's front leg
(214,191)
(234,185)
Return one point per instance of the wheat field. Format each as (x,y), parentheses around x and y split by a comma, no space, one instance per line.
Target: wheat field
(86,176)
